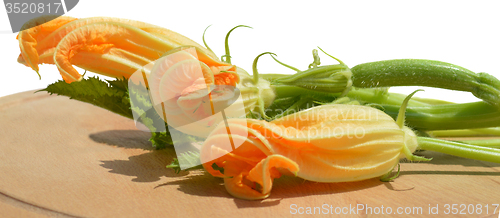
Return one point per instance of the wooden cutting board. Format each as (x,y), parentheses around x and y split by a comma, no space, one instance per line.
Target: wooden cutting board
(64,158)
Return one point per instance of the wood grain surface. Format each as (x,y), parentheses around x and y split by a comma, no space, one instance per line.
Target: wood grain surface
(64,158)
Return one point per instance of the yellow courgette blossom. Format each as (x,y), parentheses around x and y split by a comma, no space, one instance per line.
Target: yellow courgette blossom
(329,143)
(120,47)
(109,46)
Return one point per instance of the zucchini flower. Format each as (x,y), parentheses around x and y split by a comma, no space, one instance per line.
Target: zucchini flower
(193,92)
(109,46)
(328,143)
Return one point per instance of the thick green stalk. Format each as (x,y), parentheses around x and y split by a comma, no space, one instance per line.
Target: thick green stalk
(452,116)
(459,149)
(416,72)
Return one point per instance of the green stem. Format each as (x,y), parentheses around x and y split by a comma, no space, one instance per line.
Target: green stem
(228,55)
(379,96)
(285,65)
(451,116)
(272,77)
(415,72)
(204,42)
(431,101)
(490,143)
(459,149)
(285,91)
(375,96)
(493,131)
(254,67)
(293,108)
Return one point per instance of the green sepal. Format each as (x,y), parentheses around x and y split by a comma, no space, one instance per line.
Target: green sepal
(387,177)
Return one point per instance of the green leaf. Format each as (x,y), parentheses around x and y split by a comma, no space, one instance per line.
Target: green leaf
(119,84)
(189,157)
(160,140)
(113,95)
(175,166)
(140,100)
(96,92)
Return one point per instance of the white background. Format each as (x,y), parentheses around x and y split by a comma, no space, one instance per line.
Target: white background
(465,33)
